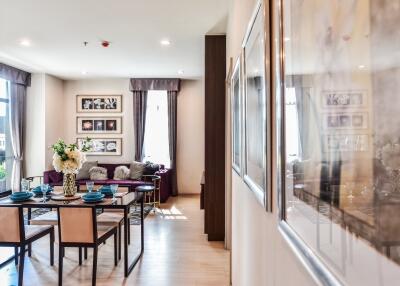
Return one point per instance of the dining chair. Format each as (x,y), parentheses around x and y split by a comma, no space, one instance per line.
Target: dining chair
(78,228)
(14,233)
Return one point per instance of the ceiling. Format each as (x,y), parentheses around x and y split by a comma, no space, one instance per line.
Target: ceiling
(57,29)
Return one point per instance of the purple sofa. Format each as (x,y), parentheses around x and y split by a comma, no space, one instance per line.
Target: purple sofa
(56,179)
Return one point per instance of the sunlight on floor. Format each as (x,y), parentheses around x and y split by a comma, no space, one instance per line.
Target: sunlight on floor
(172,213)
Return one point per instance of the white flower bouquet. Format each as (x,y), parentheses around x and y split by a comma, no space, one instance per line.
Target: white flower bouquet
(69,158)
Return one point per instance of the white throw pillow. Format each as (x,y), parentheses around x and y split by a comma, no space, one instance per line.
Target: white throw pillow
(121,173)
(137,169)
(98,173)
(83,173)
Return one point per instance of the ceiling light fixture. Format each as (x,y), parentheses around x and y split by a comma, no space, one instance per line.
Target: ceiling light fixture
(25,43)
(361,67)
(165,42)
(181,71)
(84,72)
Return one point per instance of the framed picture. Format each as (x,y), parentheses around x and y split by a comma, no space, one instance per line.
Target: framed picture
(104,146)
(346,143)
(344,99)
(237,121)
(99,103)
(104,125)
(337,121)
(257,131)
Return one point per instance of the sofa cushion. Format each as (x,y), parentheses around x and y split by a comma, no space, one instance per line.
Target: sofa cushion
(137,169)
(98,173)
(121,173)
(55,176)
(84,171)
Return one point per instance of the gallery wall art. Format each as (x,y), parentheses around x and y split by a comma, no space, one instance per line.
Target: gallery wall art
(99,103)
(103,125)
(103,146)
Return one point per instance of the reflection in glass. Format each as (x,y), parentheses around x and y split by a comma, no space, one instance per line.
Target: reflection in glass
(236,118)
(255,113)
(342,128)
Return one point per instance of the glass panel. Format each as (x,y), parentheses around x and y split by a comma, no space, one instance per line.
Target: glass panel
(156,146)
(255,108)
(342,127)
(6,158)
(236,115)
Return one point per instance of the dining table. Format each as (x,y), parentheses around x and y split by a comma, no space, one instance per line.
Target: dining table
(122,201)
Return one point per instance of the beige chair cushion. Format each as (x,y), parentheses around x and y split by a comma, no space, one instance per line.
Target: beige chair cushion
(103,229)
(76,225)
(110,218)
(49,218)
(32,230)
(9,222)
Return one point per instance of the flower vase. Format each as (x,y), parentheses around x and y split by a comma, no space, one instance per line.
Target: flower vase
(69,185)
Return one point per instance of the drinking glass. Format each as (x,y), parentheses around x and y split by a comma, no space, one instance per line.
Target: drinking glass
(44,188)
(24,185)
(89,186)
(114,188)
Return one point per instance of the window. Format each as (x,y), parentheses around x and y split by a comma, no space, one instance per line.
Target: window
(5,144)
(156,143)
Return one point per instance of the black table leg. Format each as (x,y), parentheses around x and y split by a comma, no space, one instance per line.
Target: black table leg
(128,269)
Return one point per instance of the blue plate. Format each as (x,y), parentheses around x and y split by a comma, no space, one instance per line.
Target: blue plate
(93,199)
(92,195)
(20,194)
(20,198)
(38,190)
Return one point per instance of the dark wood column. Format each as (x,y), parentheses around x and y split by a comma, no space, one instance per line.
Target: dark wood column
(214,187)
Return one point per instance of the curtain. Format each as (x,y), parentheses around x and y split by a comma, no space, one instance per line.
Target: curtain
(139,114)
(18,82)
(17,94)
(172,126)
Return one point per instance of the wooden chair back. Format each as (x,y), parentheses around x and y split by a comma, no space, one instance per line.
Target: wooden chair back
(12,224)
(77,224)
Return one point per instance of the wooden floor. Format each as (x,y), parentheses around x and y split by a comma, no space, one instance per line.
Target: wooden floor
(176,253)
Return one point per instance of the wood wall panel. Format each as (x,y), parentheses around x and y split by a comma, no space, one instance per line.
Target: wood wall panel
(214,189)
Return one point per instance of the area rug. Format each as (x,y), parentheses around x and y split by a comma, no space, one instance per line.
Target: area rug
(134,214)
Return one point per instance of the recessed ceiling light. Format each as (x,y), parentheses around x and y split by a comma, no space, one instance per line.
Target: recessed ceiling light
(165,42)
(84,72)
(361,67)
(181,71)
(25,43)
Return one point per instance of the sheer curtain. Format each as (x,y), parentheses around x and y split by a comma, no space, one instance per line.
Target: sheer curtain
(17,84)
(156,141)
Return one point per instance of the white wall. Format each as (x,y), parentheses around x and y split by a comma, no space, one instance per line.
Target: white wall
(34,153)
(260,256)
(190,136)
(54,115)
(44,122)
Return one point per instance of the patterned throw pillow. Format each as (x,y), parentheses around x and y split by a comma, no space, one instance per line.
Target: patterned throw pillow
(121,173)
(137,169)
(98,173)
(83,173)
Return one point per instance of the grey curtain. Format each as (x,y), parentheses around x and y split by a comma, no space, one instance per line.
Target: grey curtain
(139,114)
(17,94)
(18,80)
(170,84)
(172,126)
